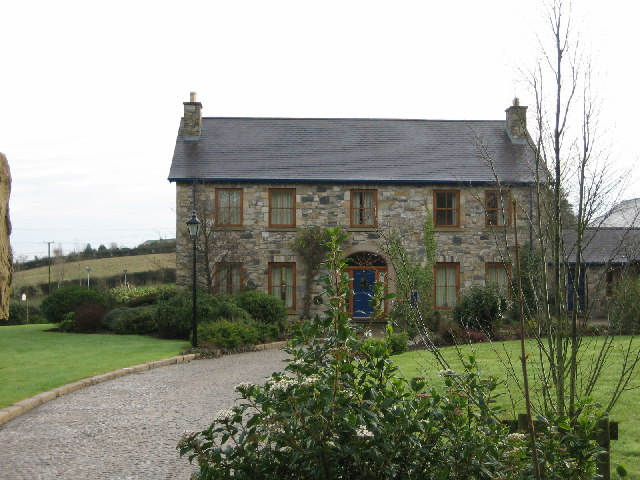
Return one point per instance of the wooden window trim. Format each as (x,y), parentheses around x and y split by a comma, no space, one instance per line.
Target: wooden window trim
(293,287)
(498,209)
(219,208)
(352,208)
(292,191)
(222,285)
(436,209)
(435,283)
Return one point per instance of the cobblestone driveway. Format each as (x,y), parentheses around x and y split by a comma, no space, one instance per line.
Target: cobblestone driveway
(127,428)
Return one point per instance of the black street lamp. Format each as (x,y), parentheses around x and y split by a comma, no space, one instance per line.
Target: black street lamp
(194,228)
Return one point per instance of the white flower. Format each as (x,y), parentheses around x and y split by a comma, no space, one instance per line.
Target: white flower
(243,386)
(363,432)
(224,415)
(310,380)
(283,384)
(517,437)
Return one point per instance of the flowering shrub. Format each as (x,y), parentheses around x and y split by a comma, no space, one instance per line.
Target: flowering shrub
(340,411)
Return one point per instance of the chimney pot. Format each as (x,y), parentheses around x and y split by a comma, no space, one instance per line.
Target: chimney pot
(193,97)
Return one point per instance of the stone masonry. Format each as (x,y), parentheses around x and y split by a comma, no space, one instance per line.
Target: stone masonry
(400,207)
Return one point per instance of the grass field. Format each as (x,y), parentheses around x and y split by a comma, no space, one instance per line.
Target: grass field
(33,360)
(493,359)
(100,267)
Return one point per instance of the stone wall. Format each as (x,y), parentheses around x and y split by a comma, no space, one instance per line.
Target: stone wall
(401,207)
(5,231)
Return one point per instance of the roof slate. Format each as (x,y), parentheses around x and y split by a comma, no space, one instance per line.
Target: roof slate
(605,245)
(351,150)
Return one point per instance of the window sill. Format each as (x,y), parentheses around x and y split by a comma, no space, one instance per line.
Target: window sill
(282,229)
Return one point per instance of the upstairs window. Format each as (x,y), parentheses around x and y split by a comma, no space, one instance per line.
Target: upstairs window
(446,206)
(229,207)
(364,205)
(229,277)
(446,285)
(282,283)
(498,208)
(282,207)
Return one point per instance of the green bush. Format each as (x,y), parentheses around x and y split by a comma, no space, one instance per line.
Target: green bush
(130,321)
(17,313)
(139,296)
(396,343)
(68,323)
(173,316)
(88,316)
(228,335)
(229,311)
(624,306)
(481,308)
(262,307)
(66,299)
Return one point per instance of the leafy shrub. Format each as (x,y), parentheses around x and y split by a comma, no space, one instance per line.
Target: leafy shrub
(481,308)
(66,299)
(228,335)
(229,311)
(267,333)
(173,316)
(262,307)
(624,306)
(68,323)
(88,316)
(396,343)
(130,321)
(139,296)
(17,313)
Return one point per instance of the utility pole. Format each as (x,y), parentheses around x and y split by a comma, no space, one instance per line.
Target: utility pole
(49,262)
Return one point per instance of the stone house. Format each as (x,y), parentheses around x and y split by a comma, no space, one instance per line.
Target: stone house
(608,254)
(256,182)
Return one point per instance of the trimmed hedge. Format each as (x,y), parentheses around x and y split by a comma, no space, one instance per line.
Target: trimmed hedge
(65,300)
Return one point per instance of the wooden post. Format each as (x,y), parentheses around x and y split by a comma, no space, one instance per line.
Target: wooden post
(603,438)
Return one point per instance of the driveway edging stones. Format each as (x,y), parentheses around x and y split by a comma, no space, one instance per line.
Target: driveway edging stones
(23,406)
(18,408)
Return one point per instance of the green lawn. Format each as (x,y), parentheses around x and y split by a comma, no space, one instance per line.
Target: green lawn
(33,360)
(493,359)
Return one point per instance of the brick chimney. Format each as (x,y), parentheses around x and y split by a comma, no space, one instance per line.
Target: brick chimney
(192,119)
(517,122)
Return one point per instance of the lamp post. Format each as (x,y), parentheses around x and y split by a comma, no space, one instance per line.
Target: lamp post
(194,228)
(88,275)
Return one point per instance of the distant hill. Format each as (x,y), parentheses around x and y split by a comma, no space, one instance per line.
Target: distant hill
(105,272)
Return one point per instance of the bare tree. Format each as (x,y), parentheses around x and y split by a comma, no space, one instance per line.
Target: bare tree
(568,162)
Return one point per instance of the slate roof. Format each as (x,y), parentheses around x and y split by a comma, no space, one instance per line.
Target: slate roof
(350,150)
(605,245)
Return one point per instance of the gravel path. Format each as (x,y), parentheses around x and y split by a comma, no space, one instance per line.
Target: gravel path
(127,428)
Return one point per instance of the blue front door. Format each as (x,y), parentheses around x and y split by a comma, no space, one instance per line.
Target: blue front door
(363,281)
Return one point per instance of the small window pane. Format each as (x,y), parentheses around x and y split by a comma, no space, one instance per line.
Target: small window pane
(446,209)
(282,207)
(363,208)
(446,285)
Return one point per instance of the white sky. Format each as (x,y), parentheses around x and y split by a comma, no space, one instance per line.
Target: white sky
(91,92)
